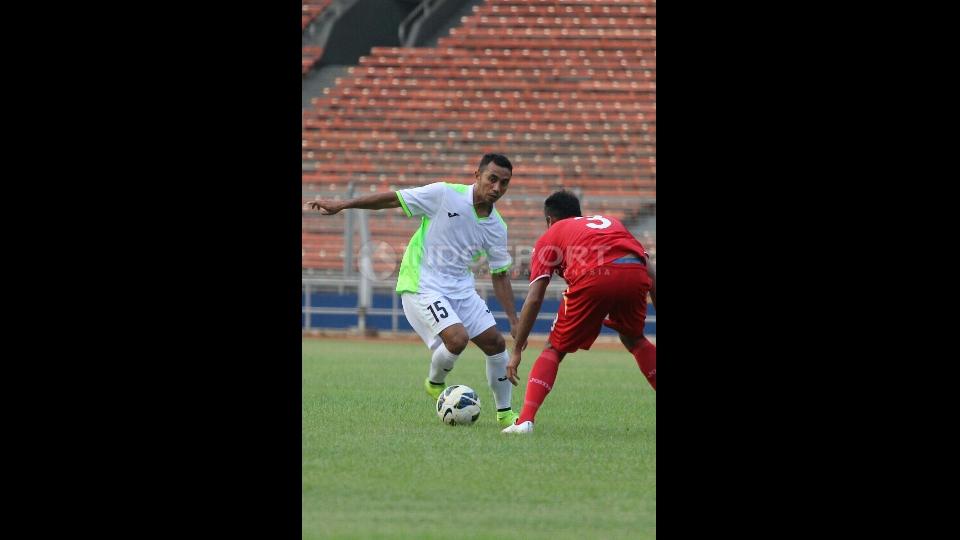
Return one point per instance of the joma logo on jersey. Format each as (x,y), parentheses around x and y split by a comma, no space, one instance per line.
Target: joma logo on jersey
(452,214)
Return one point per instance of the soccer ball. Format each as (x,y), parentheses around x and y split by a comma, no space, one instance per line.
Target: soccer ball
(458,405)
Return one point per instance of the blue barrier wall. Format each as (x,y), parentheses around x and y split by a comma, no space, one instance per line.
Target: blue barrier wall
(383,322)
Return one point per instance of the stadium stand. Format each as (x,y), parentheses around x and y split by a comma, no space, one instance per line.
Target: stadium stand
(565,88)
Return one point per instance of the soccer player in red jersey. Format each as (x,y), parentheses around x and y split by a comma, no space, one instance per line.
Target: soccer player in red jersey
(608,276)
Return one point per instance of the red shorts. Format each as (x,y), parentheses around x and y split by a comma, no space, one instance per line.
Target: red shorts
(615,296)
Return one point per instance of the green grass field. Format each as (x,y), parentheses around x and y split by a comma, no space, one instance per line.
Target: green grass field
(377,462)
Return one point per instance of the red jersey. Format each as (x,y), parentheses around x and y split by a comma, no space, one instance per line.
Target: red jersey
(574,247)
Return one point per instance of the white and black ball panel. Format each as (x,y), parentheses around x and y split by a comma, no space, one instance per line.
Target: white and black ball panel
(458,405)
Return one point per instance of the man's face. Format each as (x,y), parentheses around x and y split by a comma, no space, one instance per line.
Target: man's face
(492,182)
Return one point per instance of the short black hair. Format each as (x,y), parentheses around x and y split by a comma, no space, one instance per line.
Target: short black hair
(561,205)
(498,159)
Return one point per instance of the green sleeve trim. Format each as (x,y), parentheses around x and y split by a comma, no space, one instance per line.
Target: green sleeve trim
(501,269)
(403,204)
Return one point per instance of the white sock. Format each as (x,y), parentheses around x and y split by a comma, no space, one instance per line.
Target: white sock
(497,370)
(442,363)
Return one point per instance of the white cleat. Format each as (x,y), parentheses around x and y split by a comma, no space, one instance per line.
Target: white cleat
(526,427)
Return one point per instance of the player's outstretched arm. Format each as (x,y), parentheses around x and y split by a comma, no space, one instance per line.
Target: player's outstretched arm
(377,201)
(528,316)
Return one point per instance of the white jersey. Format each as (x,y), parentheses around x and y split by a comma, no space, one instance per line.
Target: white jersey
(451,236)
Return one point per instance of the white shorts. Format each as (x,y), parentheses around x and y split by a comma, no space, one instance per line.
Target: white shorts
(430,313)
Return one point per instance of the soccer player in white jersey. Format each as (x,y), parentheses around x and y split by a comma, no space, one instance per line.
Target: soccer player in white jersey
(458,223)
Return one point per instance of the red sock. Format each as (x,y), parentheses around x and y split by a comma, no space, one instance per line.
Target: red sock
(646,355)
(542,376)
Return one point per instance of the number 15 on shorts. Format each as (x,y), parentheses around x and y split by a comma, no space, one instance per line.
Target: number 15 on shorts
(438,311)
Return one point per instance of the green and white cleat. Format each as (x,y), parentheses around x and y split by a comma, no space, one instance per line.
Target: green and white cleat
(507,418)
(524,428)
(433,390)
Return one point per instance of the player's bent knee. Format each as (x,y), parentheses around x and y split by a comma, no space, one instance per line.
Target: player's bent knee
(628,341)
(496,345)
(559,354)
(456,342)
(491,341)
